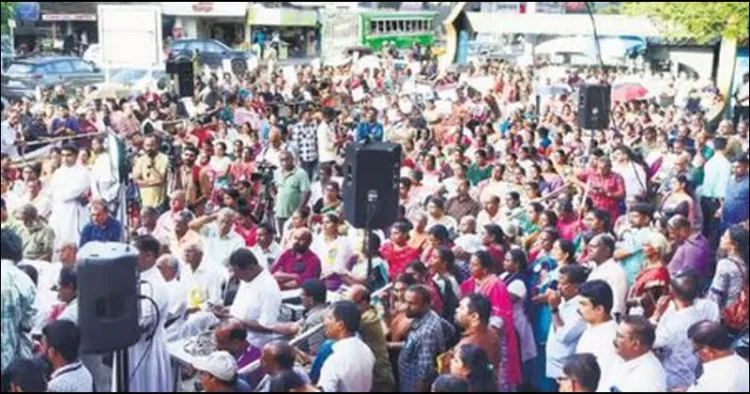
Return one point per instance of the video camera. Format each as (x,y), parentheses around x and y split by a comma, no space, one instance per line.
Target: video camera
(264,173)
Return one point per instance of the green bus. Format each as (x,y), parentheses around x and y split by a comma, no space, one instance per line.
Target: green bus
(373,29)
(402,29)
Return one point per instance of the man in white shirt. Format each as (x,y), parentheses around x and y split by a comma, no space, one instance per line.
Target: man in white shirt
(491,214)
(601,252)
(10,131)
(641,370)
(680,363)
(326,140)
(350,368)
(219,241)
(723,370)
(258,299)
(203,283)
(266,251)
(596,309)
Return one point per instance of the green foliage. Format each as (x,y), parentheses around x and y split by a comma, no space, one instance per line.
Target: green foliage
(6,12)
(700,21)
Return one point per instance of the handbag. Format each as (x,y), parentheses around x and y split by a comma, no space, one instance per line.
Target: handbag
(735,315)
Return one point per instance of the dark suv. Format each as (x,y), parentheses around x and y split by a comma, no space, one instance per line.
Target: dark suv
(213,54)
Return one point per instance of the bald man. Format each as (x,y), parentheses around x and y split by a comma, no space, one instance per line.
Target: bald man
(372,334)
(177,204)
(276,358)
(298,264)
(232,338)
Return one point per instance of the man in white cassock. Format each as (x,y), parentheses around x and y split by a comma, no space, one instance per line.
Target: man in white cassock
(105,175)
(69,186)
(149,359)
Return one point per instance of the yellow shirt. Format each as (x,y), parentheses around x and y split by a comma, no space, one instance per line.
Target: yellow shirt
(152,170)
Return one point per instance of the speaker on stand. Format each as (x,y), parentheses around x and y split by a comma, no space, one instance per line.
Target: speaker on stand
(181,68)
(594,105)
(371,183)
(108,303)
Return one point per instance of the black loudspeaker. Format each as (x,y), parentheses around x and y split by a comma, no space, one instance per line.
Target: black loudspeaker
(594,106)
(182,68)
(107,297)
(372,171)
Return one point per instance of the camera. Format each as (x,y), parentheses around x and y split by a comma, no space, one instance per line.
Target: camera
(174,153)
(264,174)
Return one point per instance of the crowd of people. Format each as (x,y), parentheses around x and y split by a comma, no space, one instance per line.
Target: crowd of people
(529,255)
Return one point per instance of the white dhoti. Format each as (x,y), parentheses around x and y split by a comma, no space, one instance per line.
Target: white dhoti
(150,363)
(69,215)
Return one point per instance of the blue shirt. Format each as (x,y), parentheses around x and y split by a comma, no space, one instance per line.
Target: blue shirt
(110,232)
(562,343)
(69,123)
(372,132)
(736,200)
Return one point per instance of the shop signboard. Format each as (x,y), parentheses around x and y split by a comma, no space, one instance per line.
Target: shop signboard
(205,8)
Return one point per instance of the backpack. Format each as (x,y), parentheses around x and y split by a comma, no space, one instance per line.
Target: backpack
(735,315)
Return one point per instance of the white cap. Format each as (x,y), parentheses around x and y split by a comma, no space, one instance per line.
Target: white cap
(220,365)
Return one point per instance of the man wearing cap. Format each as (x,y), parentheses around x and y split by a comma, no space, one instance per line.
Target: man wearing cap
(218,373)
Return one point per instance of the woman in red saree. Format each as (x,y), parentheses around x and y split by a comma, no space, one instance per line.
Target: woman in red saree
(484,282)
(653,281)
(397,251)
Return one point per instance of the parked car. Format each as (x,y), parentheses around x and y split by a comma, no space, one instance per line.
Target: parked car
(125,82)
(213,54)
(25,75)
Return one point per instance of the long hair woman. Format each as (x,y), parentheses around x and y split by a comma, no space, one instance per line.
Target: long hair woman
(471,363)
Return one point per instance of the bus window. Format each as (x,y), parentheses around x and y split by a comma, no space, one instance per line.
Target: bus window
(381,27)
(428,25)
(408,25)
(420,26)
(373,27)
(401,28)
(388,27)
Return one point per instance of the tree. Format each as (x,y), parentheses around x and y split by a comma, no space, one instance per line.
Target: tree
(6,10)
(700,21)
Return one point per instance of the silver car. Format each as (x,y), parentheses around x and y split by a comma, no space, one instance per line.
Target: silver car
(25,75)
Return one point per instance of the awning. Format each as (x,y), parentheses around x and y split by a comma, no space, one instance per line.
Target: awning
(561,24)
(208,9)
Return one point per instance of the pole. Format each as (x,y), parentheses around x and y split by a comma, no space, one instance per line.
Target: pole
(372,201)
(122,374)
